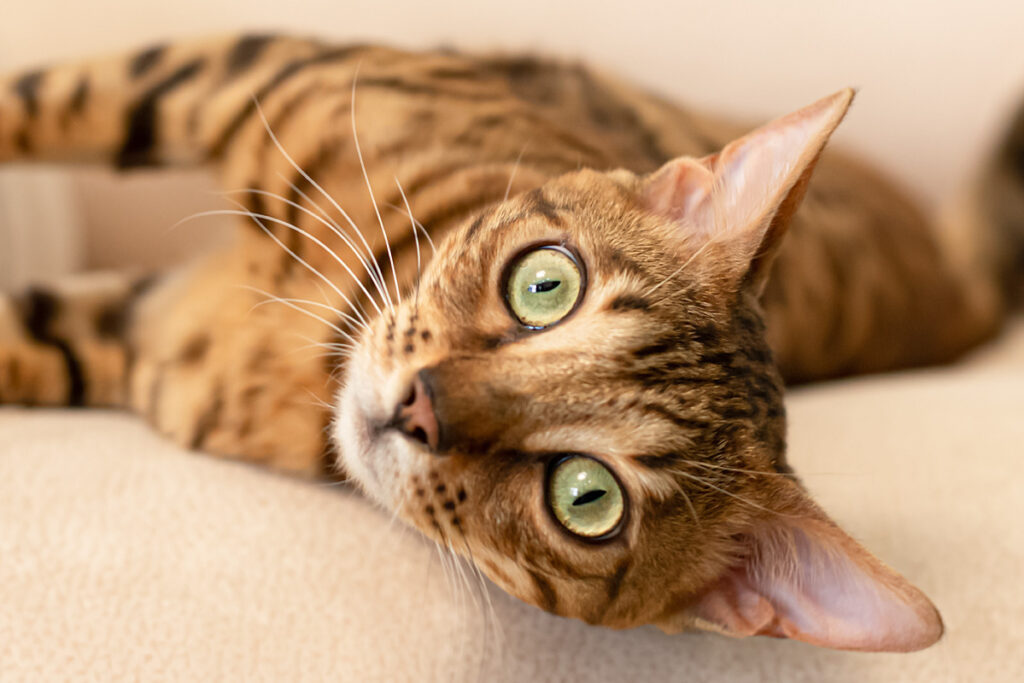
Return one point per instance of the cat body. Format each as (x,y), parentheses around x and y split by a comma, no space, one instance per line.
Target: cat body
(364,322)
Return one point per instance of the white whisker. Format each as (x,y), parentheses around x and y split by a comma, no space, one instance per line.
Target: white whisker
(512,175)
(348,318)
(369,187)
(416,237)
(491,622)
(752,473)
(298,169)
(368,261)
(296,307)
(259,218)
(324,220)
(419,225)
(704,482)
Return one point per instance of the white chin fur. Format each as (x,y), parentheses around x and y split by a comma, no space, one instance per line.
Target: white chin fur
(375,462)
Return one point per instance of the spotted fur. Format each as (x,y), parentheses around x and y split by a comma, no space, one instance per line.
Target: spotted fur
(674,375)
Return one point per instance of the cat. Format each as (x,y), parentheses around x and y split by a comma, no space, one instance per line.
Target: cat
(543,316)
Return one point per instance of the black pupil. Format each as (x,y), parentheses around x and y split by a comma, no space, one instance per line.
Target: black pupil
(589,497)
(545,286)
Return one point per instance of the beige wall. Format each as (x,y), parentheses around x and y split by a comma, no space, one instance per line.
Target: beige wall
(936,78)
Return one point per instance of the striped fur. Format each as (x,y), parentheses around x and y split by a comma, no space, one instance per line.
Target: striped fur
(484,152)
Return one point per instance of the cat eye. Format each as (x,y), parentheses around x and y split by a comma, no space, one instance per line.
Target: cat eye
(585,497)
(543,285)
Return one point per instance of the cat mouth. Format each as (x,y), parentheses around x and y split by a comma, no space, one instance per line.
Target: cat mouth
(362,448)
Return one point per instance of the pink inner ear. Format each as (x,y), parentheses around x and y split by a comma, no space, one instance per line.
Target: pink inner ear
(734,197)
(679,190)
(810,581)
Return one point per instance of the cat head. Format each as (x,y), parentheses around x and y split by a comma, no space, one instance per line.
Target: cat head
(579,398)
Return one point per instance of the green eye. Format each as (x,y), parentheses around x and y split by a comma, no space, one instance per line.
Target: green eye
(585,497)
(543,286)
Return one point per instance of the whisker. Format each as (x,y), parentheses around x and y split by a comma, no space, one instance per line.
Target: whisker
(512,175)
(319,401)
(426,234)
(330,252)
(369,187)
(272,298)
(740,470)
(689,505)
(416,237)
(375,273)
(419,225)
(704,482)
(324,220)
(299,170)
(259,218)
(464,582)
(491,621)
(298,308)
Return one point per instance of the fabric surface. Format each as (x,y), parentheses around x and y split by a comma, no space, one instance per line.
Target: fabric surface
(125,558)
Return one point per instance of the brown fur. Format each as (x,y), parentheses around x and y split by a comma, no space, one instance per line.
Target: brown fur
(680,390)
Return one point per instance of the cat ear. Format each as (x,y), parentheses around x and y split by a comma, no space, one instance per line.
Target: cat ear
(804,578)
(742,198)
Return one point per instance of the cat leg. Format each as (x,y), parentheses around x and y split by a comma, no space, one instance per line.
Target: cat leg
(64,344)
(221,369)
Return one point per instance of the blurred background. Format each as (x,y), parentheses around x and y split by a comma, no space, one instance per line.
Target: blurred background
(937,81)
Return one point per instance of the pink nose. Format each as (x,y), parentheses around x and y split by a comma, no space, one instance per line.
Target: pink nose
(415,415)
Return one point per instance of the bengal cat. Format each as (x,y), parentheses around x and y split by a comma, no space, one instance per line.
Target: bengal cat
(525,306)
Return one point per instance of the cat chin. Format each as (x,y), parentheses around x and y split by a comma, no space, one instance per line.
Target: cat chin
(377,460)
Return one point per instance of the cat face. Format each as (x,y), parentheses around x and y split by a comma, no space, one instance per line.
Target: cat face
(579,398)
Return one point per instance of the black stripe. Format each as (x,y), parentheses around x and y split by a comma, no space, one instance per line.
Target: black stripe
(76,378)
(246,51)
(474,228)
(615,581)
(79,98)
(209,420)
(282,75)
(607,110)
(40,309)
(23,142)
(325,154)
(464,206)
(254,201)
(620,262)
(27,88)
(548,599)
(656,349)
(434,174)
(706,335)
(629,302)
(76,103)
(679,420)
(539,204)
(145,61)
(456,72)
(143,120)
(657,462)
(478,129)
(428,89)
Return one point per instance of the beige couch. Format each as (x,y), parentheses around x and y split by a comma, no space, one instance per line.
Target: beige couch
(124,558)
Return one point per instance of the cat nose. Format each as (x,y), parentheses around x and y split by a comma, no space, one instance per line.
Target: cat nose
(415,416)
